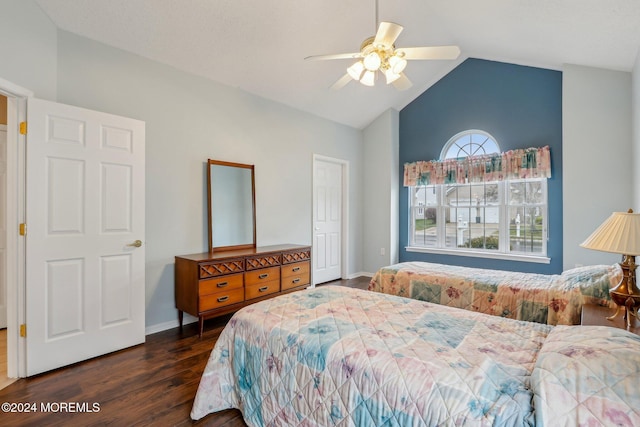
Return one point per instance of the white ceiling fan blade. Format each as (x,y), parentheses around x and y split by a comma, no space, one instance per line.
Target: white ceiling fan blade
(387,34)
(403,83)
(341,82)
(334,56)
(430,52)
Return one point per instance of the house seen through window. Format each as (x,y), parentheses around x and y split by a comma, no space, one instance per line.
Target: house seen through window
(505,219)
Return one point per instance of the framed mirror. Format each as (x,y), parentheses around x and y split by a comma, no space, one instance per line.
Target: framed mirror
(231,205)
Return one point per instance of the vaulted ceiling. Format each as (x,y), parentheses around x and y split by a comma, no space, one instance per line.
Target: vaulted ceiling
(259,45)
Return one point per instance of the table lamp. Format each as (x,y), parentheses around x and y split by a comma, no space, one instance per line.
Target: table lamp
(620,234)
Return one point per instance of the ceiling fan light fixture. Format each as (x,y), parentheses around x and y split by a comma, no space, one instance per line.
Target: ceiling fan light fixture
(397,64)
(391,76)
(372,61)
(356,70)
(368,78)
(378,53)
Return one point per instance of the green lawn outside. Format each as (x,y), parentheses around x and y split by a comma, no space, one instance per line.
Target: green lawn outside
(424,224)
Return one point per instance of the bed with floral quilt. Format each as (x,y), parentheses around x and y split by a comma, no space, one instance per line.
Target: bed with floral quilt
(553,299)
(348,357)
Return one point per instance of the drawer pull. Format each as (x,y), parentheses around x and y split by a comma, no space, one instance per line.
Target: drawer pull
(222,284)
(263,289)
(263,276)
(295,280)
(296,269)
(223,299)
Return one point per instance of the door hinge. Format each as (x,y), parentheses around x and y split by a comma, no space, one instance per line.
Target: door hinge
(23,330)
(23,128)
(23,229)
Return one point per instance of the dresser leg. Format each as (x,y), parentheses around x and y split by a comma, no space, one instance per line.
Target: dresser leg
(201,325)
(180,317)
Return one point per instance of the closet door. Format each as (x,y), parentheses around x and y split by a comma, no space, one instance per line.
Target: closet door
(3,225)
(327,220)
(85,208)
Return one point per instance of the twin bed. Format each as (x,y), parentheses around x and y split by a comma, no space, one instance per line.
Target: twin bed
(348,357)
(552,299)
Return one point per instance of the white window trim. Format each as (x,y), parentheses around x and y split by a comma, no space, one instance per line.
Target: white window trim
(504,240)
(478,254)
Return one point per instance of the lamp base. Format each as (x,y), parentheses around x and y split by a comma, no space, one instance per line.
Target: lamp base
(629,308)
(626,295)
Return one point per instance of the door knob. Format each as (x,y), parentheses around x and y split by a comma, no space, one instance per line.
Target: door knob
(136,244)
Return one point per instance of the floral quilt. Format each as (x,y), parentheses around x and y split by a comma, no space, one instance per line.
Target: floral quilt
(548,299)
(348,357)
(588,376)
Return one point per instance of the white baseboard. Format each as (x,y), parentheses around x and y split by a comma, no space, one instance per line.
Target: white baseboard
(190,319)
(159,327)
(360,274)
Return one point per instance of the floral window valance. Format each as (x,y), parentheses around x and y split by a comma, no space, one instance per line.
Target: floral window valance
(526,163)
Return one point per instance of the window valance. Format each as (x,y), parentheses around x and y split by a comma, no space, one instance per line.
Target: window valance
(525,163)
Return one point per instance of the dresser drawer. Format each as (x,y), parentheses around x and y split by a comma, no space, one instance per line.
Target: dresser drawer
(219,268)
(263,261)
(294,281)
(261,276)
(294,275)
(260,289)
(221,299)
(219,284)
(295,256)
(297,269)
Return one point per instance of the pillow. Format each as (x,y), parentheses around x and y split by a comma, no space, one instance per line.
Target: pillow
(587,375)
(593,281)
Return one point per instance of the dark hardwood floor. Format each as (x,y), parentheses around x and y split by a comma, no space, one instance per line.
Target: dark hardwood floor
(149,384)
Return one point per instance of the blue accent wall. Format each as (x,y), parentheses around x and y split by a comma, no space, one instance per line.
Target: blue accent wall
(519,106)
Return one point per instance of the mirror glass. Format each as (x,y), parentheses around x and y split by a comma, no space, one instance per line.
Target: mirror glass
(231,194)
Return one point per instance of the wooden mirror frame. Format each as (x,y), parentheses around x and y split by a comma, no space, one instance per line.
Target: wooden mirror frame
(252,244)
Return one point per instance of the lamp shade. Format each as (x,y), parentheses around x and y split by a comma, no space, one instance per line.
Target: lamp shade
(368,78)
(355,71)
(619,234)
(372,61)
(391,76)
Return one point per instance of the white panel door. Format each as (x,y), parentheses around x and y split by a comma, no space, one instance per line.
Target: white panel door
(3,225)
(85,292)
(327,219)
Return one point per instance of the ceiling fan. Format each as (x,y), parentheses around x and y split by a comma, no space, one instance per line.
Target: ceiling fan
(379,54)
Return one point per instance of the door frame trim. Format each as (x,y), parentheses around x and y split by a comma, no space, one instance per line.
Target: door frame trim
(17,97)
(344,214)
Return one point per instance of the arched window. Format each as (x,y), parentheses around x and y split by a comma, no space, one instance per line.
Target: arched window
(506,219)
(469,143)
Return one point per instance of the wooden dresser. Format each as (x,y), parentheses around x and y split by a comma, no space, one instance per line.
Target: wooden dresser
(212,284)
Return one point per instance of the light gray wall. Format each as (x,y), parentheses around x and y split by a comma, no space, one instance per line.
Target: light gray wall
(190,119)
(28,48)
(635,111)
(380,190)
(596,150)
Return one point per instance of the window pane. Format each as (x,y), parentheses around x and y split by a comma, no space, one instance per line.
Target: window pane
(534,192)
(471,222)
(450,193)
(526,231)
(492,194)
(424,208)
(517,191)
(425,227)
(464,195)
(451,233)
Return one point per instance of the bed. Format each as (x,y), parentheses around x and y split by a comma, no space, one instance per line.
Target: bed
(348,357)
(553,299)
